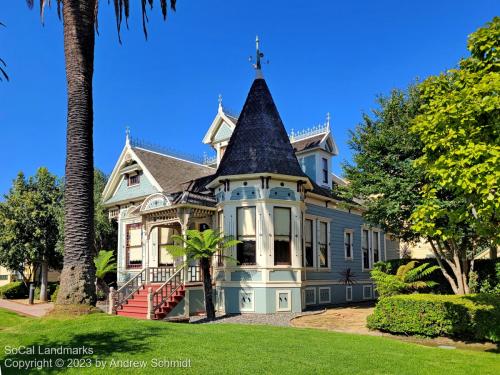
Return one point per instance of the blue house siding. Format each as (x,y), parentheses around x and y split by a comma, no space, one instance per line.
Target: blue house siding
(124,192)
(340,220)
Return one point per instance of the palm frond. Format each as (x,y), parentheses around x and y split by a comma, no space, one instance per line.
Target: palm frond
(104,263)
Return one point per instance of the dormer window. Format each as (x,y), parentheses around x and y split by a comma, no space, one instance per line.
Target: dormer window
(325,170)
(133,180)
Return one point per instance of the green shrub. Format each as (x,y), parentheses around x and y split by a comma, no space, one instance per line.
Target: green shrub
(474,316)
(487,278)
(51,287)
(14,290)
(53,297)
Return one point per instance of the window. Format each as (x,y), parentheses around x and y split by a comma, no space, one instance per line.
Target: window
(247,300)
(325,170)
(324,295)
(367,292)
(323,244)
(310,296)
(133,180)
(4,277)
(164,257)
(365,249)
(134,245)
(283,299)
(348,293)
(282,236)
(220,228)
(246,234)
(376,246)
(308,241)
(348,240)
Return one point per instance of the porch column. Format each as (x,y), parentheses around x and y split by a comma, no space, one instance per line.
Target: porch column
(184,215)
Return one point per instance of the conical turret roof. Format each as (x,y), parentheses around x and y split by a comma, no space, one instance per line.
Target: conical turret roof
(259,143)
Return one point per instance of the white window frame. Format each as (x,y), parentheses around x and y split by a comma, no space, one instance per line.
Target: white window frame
(348,288)
(289,293)
(329,295)
(370,246)
(305,296)
(247,292)
(379,234)
(351,232)
(313,242)
(370,287)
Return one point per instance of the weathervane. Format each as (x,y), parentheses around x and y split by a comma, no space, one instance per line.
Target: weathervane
(258,55)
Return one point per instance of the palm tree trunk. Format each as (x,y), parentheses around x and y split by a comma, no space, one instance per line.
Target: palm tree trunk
(78,274)
(44,273)
(207,286)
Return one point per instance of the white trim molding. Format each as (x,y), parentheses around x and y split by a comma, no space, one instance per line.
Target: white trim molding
(289,300)
(348,293)
(370,294)
(329,300)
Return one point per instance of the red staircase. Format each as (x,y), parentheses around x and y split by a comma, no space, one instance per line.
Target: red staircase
(137,305)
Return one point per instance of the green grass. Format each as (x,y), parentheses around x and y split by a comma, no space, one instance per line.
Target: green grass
(232,349)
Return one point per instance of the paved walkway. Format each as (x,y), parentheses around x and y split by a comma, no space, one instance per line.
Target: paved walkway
(352,319)
(21,307)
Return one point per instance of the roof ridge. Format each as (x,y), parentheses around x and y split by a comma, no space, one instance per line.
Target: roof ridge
(172,157)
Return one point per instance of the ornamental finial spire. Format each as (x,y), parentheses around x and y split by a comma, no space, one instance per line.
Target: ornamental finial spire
(258,56)
(127,135)
(220,101)
(328,120)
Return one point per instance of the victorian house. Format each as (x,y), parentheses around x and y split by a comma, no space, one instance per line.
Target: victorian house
(301,244)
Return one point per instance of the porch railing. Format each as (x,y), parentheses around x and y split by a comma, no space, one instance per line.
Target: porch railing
(145,276)
(167,289)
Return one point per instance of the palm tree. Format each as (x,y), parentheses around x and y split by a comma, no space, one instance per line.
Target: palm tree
(407,279)
(80,22)
(105,263)
(3,73)
(202,246)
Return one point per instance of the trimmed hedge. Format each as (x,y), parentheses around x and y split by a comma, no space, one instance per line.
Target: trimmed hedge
(17,289)
(474,316)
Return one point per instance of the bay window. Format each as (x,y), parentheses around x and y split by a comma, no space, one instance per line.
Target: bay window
(246,233)
(134,245)
(282,236)
(308,243)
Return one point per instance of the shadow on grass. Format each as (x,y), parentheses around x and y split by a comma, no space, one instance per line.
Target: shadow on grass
(106,345)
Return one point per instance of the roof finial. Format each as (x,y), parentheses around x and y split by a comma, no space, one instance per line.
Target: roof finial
(258,56)
(328,120)
(127,135)
(220,101)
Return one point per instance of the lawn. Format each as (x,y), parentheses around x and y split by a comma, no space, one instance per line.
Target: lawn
(227,348)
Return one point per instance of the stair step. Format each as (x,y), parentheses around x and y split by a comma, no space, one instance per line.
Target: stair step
(135,309)
(136,303)
(131,314)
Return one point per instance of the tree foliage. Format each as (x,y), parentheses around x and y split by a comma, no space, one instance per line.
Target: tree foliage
(408,278)
(459,126)
(382,173)
(29,223)
(202,246)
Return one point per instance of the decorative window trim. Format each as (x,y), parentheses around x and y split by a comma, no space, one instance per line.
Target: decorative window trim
(348,289)
(136,182)
(247,292)
(289,293)
(329,300)
(305,296)
(351,232)
(127,247)
(328,255)
(370,288)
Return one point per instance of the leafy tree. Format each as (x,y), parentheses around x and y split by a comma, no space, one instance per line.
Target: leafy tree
(407,279)
(202,247)
(105,263)
(79,23)
(29,226)
(459,125)
(382,173)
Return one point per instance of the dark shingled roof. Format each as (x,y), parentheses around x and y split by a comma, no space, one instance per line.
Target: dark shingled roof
(170,172)
(308,143)
(259,143)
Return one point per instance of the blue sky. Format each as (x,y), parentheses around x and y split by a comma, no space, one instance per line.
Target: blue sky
(325,56)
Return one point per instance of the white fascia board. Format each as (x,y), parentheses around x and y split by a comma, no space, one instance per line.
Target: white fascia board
(216,123)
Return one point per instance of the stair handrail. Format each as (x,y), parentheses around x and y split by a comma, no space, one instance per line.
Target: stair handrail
(158,296)
(123,293)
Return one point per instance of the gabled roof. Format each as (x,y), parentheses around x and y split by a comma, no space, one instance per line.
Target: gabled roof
(170,172)
(221,118)
(259,143)
(308,143)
